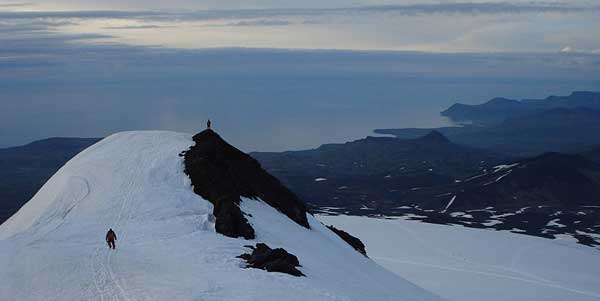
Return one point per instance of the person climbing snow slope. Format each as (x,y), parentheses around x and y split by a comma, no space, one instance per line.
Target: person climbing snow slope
(110,238)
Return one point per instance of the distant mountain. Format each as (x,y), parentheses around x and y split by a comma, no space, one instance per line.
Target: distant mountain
(24,169)
(559,129)
(374,155)
(593,154)
(499,109)
(376,170)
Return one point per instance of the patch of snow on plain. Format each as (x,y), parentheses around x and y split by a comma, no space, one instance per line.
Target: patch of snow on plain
(502,215)
(481,210)
(504,167)
(554,223)
(498,179)
(320,179)
(410,215)
(449,204)
(474,177)
(491,223)
(460,214)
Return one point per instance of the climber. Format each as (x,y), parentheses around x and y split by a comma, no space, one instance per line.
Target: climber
(208,123)
(110,238)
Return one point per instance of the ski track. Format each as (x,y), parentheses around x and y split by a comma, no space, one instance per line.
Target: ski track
(122,230)
(491,274)
(107,284)
(461,260)
(63,215)
(529,278)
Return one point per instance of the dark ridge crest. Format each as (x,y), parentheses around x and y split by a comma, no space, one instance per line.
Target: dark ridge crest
(222,174)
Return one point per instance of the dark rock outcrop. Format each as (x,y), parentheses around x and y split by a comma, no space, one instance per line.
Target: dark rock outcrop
(351,240)
(272,260)
(222,174)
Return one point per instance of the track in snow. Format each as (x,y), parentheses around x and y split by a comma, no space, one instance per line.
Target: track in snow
(108,286)
(527,277)
(492,274)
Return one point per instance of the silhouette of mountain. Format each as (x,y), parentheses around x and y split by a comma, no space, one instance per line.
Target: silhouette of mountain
(558,129)
(375,155)
(499,109)
(374,171)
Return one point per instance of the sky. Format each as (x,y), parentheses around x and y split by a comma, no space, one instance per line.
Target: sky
(279,75)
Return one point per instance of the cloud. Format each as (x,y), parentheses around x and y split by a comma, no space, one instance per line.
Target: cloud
(56,84)
(414,9)
(14,4)
(261,22)
(138,27)
(15,27)
(479,8)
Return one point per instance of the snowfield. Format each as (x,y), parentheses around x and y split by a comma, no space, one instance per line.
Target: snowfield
(167,248)
(465,264)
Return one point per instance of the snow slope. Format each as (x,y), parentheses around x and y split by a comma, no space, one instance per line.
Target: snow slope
(167,249)
(466,264)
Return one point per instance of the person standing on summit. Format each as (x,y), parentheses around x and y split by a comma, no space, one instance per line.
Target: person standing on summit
(110,238)
(208,123)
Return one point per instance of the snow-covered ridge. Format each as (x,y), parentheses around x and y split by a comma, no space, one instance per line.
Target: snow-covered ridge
(167,248)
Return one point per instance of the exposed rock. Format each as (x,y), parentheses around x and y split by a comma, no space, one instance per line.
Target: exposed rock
(272,260)
(351,240)
(222,174)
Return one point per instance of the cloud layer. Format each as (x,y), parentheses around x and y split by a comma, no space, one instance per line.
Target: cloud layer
(447,27)
(82,71)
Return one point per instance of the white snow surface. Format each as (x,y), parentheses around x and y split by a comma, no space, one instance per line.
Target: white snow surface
(167,248)
(504,167)
(465,264)
(449,204)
